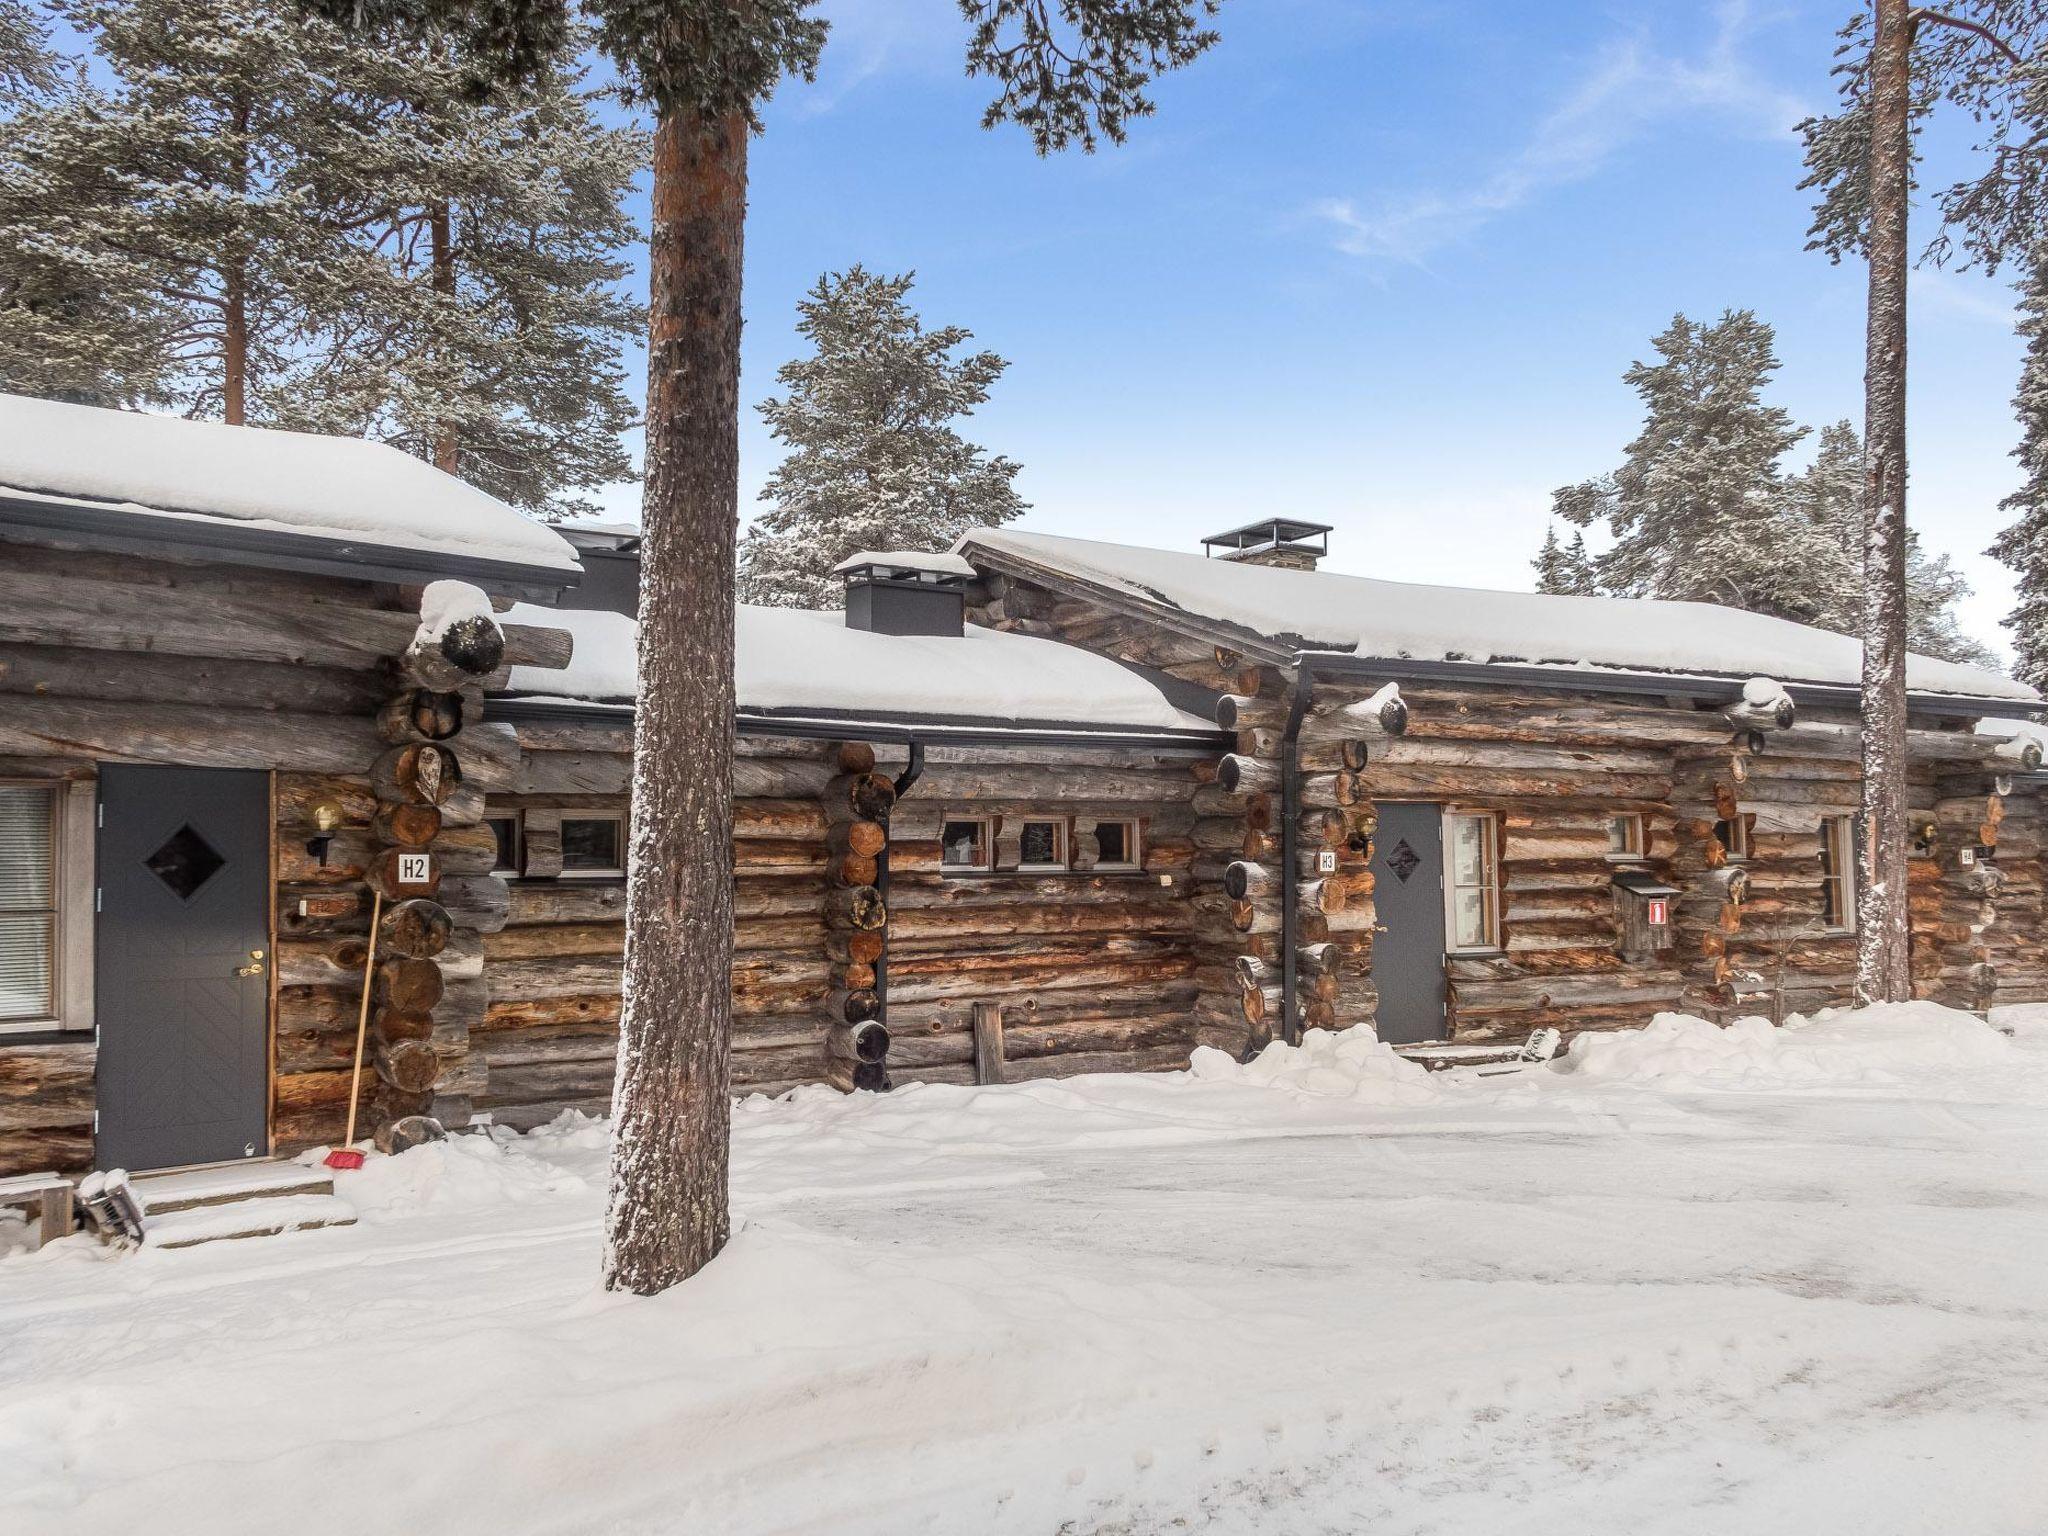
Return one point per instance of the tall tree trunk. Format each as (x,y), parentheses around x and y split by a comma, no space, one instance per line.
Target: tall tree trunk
(442,235)
(234,359)
(1883,958)
(671,1108)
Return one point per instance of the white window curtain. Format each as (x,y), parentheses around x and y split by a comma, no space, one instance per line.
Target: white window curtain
(28,902)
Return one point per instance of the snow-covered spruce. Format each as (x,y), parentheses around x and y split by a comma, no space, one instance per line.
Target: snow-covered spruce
(1704,509)
(874,461)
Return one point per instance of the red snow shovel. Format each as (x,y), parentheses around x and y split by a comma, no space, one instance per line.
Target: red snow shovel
(345,1155)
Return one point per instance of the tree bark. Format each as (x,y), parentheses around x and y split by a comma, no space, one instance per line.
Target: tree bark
(671,1105)
(442,236)
(1883,943)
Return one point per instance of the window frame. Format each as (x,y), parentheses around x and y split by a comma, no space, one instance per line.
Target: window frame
(516,870)
(1134,846)
(1735,841)
(74,819)
(1637,840)
(988,846)
(1063,845)
(1838,869)
(610,872)
(1490,882)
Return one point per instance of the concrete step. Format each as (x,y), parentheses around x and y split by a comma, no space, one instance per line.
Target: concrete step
(263,1216)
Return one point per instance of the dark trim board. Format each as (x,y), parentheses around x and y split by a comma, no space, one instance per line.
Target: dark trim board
(1721,689)
(223,541)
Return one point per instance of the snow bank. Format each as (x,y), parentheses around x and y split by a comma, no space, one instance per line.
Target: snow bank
(344,488)
(1323,610)
(1352,1064)
(1888,1043)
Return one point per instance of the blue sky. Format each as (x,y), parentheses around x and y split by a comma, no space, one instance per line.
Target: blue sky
(1379,265)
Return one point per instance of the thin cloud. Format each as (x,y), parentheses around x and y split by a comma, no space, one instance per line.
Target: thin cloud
(1630,89)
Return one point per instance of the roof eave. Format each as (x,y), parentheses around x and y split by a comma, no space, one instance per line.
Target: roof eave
(119,531)
(1699,685)
(882,725)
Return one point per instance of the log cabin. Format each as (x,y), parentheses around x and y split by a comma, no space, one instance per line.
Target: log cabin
(316,767)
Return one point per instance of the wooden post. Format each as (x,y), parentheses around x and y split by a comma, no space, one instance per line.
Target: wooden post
(988,1042)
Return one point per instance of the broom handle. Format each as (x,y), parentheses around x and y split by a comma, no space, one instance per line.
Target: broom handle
(355,1078)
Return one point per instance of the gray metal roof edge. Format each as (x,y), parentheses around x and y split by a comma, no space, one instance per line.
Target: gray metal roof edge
(882,726)
(1627,680)
(138,532)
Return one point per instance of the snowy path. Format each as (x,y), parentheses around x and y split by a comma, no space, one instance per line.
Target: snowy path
(1526,1305)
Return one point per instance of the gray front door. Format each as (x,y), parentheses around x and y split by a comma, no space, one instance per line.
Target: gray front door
(1408,949)
(183,976)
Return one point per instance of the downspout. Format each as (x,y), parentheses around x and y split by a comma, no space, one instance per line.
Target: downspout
(1290,814)
(911,773)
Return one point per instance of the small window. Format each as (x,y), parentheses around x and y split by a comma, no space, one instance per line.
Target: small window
(1625,837)
(1042,844)
(28,904)
(1116,845)
(593,846)
(1471,891)
(511,855)
(965,844)
(1838,874)
(1733,836)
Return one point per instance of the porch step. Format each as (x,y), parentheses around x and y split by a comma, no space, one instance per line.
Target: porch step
(256,1199)
(161,1194)
(261,1217)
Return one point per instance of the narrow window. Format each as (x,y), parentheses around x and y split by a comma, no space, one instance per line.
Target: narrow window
(1838,874)
(28,904)
(511,856)
(1733,836)
(1042,844)
(593,846)
(1116,845)
(1625,836)
(964,844)
(1471,892)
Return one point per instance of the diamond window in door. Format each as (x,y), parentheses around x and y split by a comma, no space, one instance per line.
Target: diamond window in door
(1404,860)
(185,861)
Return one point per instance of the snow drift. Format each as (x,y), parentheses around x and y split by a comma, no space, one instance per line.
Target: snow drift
(1887,1043)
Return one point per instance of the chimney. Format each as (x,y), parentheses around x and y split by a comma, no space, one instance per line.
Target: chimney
(1285,542)
(895,592)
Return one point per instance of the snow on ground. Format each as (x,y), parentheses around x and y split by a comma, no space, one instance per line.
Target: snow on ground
(1774,1291)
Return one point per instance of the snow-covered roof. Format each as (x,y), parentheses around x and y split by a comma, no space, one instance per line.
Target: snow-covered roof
(791,660)
(341,491)
(1326,611)
(906,560)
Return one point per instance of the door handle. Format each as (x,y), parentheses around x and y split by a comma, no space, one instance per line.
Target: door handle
(1379,928)
(255,965)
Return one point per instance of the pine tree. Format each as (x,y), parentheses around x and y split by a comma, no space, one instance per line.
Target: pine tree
(874,461)
(27,67)
(2024,544)
(1902,62)
(267,218)
(497,356)
(1564,570)
(1692,509)
(705,66)
(1828,496)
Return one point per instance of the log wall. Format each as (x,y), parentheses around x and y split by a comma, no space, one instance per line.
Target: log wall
(1553,768)
(115,658)
(1093,971)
